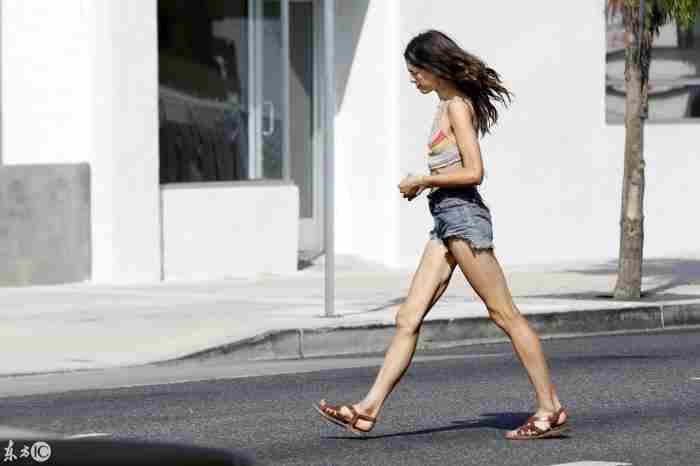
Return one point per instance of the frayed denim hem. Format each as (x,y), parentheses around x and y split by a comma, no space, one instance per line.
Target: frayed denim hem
(477,248)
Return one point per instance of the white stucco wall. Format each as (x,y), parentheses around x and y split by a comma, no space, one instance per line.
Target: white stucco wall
(79,84)
(554,167)
(220,230)
(672,192)
(125,160)
(46,81)
(367,129)
(549,182)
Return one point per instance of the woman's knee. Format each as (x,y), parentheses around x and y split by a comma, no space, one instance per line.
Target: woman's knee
(408,319)
(503,315)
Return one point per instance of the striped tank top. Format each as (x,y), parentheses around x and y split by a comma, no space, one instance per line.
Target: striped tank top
(442,152)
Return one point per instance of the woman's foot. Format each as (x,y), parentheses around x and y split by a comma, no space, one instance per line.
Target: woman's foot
(541,425)
(536,427)
(351,417)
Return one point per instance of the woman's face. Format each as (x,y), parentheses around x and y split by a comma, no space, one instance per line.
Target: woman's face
(424,80)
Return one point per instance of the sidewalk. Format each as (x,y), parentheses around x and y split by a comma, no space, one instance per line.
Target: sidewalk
(87,326)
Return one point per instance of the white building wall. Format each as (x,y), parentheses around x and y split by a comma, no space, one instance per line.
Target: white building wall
(218,230)
(46,81)
(548,181)
(554,168)
(367,125)
(125,162)
(79,84)
(672,193)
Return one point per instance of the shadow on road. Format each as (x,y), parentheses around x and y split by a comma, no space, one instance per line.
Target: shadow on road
(500,421)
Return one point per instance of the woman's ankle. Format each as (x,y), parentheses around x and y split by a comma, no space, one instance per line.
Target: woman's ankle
(369,407)
(546,406)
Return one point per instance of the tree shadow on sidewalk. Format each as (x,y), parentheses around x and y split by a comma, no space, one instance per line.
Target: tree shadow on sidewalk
(671,272)
(499,421)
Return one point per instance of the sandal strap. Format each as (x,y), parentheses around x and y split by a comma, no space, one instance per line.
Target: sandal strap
(355,415)
(530,429)
(557,415)
(358,417)
(333,411)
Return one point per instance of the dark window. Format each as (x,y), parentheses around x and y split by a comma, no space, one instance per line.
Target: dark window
(203,90)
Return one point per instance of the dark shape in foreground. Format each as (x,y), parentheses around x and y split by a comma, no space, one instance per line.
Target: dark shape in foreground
(115,452)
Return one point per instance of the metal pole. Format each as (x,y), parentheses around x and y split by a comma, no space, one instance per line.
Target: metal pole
(329,165)
(286,162)
(253,97)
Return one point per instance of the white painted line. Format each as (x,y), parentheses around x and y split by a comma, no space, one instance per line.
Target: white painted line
(695,378)
(89,435)
(594,463)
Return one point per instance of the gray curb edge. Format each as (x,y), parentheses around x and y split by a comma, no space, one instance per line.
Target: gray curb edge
(445,333)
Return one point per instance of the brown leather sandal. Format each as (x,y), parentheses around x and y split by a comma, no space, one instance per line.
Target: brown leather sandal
(332,413)
(561,426)
(529,431)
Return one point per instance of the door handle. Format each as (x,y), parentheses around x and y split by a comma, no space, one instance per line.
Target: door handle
(271,119)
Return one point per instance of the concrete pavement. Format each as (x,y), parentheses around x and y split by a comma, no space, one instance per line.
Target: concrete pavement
(89,326)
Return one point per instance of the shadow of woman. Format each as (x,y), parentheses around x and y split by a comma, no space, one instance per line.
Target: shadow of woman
(499,421)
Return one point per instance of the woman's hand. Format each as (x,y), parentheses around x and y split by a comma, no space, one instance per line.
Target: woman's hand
(411,186)
(414,193)
(409,183)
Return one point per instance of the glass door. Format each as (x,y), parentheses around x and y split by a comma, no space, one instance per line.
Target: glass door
(270,94)
(222,92)
(230,73)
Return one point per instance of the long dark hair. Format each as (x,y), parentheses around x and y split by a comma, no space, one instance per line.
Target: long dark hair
(435,52)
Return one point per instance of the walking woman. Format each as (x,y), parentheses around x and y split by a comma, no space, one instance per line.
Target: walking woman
(462,233)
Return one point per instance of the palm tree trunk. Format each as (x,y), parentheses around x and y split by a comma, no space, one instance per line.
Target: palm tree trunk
(629,279)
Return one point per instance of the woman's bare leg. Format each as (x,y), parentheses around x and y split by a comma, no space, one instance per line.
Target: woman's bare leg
(429,283)
(485,275)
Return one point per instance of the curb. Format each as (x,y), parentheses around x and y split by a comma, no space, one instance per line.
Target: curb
(446,333)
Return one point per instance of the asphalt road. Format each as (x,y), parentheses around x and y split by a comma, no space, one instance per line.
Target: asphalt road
(634,399)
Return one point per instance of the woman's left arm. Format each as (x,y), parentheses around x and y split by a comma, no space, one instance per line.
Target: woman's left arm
(472,171)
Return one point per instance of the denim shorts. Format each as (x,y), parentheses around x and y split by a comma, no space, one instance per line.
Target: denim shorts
(461,213)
